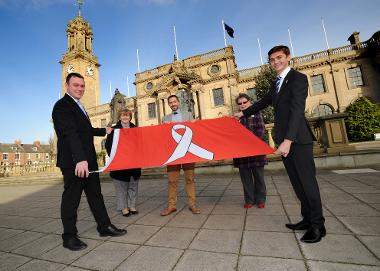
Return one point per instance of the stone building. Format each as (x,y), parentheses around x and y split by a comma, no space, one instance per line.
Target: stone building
(208,83)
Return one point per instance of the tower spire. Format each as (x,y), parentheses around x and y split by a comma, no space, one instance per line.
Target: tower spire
(80,4)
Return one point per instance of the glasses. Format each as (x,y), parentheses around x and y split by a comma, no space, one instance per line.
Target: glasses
(242,103)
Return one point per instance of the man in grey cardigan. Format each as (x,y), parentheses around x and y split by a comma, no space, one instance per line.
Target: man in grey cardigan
(174,170)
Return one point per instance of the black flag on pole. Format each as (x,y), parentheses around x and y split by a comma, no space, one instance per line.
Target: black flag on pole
(230,31)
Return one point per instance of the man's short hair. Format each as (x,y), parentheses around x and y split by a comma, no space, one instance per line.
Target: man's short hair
(124,111)
(241,96)
(73,74)
(173,96)
(282,48)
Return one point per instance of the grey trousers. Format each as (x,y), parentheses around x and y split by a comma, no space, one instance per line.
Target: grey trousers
(126,193)
(253,182)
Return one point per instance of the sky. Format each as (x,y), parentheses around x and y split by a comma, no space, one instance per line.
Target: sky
(33,40)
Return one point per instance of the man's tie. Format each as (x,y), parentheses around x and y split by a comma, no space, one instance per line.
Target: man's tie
(278,80)
(82,108)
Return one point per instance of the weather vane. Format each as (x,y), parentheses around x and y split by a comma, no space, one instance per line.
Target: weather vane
(79,4)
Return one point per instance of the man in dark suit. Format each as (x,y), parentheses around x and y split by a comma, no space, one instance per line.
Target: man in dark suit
(76,157)
(295,140)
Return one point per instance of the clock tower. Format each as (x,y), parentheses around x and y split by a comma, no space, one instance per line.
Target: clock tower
(79,58)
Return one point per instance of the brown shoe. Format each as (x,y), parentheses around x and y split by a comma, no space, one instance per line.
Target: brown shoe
(195,210)
(168,211)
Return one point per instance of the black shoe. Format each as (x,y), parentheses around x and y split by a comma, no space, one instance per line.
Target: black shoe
(300,226)
(112,231)
(134,212)
(73,243)
(314,235)
(127,214)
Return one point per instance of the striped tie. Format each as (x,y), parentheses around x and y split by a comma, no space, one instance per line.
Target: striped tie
(278,80)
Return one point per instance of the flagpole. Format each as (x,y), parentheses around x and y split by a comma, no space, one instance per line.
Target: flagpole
(175,42)
(291,44)
(138,60)
(128,94)
(224,34)
(324,31)
(261,55)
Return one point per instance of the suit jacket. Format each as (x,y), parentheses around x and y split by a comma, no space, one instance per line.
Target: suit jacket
(186,116)
(289,109)
(124,174)
(75,135)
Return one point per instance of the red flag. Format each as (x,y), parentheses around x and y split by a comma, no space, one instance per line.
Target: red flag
(183,142)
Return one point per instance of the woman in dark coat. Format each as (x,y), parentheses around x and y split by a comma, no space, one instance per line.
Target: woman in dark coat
(126,180)
(252,166)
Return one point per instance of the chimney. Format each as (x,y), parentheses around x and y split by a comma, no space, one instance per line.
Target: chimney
(37,143)
(18,142)
(354,38)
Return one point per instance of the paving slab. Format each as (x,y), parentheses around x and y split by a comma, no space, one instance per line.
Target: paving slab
(151,259)
(62,255)
(252,263)
(106,256)
(193,260)
(38,265)
(325,266)
(271,244)
(339,248)
(217,241)
(11,261)
(173,237)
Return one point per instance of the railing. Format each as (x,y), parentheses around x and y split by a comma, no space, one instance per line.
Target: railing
(19,170)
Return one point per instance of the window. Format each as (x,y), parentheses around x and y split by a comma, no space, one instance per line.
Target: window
(317,85)
(17,156)
(46,156)
(322,110)
(37,156)
(103,123)
(251,92)
(5,156)
(152,110)
(355,78)
(29,155)
(103,144)
(218,96)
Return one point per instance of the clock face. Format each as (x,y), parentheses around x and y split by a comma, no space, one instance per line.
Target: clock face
(70,68)
(90,71)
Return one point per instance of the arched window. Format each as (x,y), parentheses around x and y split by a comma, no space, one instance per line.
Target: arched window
(322,110)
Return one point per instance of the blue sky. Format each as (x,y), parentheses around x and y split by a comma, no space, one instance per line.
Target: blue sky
(33,39)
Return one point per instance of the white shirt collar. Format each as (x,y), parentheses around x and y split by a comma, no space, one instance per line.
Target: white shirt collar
(284,73)
(77,101)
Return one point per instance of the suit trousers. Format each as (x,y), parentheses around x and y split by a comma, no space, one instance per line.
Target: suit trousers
(300,167)
(253,184)
(73,187)
(173,177)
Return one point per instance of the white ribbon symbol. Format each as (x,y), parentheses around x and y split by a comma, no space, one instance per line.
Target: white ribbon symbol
(185,145)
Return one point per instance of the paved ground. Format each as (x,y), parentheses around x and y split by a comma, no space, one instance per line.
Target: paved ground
(224,237)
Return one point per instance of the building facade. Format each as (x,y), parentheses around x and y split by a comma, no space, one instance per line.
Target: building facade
(207,84)
(18,154)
